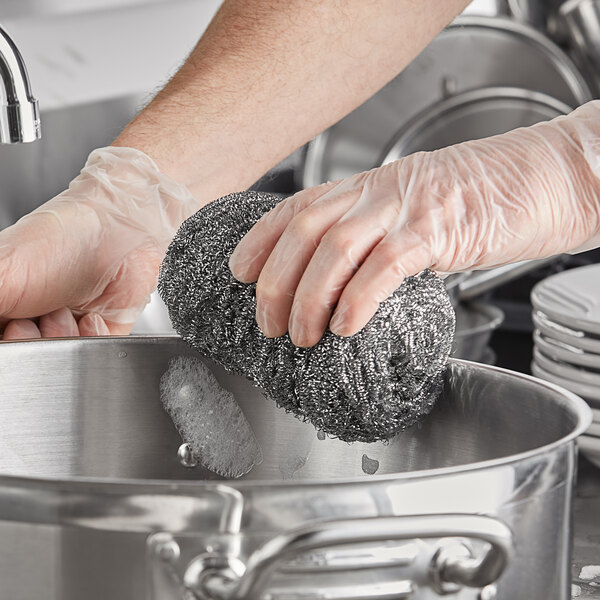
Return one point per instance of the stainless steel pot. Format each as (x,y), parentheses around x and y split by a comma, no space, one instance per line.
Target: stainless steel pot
(472,115)
(475,323)
(95,504)
(582,22)
(540,14)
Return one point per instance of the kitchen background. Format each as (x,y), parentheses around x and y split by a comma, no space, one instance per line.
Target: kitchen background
(91,76)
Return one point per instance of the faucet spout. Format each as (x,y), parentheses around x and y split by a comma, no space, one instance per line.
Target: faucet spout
(19,111)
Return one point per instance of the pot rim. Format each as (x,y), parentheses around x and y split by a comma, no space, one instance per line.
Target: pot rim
(400,144)
(577,404)
(493,314)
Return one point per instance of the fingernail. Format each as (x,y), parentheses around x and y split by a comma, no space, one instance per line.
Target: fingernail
(338,324)
(299,336)
(238,265)
(21,329)
(65,321)
(234,265)
(263,319)
(298,331)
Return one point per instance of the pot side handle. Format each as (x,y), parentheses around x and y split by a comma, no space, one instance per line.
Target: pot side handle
(449,568)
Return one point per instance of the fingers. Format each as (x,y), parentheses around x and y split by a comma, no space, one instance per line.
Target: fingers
(21,329)
(381,274)
(248,259)
(287,262)
(341,252)
(91,325)
(59,323)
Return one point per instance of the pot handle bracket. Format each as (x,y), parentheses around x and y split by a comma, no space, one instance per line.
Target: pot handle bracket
(219,573)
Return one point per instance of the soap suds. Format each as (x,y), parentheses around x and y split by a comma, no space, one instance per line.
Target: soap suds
(589,572)
(208,419)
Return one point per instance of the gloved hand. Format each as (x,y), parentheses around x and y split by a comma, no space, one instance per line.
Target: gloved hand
(344,247)
(86,262)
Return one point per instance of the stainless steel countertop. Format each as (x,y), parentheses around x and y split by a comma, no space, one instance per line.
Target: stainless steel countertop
(586,548)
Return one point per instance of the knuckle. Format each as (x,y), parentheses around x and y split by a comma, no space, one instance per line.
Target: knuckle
(281,210)
(305,198)
(394,261)
(269,294)
(303,225)
(388,253)
(403,261)
(340,239)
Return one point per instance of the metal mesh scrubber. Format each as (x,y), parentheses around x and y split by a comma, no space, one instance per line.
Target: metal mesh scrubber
(363,388)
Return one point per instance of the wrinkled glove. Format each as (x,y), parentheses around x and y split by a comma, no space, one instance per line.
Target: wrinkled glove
(86,262)
(344,247)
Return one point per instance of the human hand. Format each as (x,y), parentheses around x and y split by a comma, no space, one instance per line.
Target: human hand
(344,247)
(85,262)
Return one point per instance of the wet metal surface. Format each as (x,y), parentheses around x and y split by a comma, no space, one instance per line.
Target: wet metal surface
(586,548)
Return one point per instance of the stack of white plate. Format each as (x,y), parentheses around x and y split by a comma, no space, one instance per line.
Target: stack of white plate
(566,315)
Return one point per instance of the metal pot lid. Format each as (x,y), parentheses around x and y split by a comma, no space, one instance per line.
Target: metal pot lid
(473,115)
(472,53)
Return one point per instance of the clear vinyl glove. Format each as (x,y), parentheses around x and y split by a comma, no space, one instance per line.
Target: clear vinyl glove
(342,248)
(85,262)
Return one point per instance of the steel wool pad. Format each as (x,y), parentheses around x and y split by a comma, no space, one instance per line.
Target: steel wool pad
(363,388)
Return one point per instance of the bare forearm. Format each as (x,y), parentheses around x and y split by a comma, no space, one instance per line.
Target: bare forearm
(269,75)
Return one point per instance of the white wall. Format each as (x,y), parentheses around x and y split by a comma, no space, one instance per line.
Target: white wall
(75,58)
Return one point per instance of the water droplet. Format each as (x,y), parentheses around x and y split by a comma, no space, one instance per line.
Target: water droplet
(291,464)
(122,354)
(321,435)
(369,465)
(186,458)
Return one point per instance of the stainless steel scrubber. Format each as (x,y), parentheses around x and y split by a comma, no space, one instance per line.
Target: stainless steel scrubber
(363,388)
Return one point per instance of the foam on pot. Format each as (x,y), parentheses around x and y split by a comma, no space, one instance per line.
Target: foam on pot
(208,418)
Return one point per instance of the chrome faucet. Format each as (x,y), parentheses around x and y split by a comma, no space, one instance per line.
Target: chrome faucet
(19,112)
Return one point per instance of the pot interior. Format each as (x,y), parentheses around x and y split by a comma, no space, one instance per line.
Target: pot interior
(90,408)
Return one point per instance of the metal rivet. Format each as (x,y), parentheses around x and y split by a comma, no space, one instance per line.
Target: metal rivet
(489,592)
(213,572)
(166,548)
